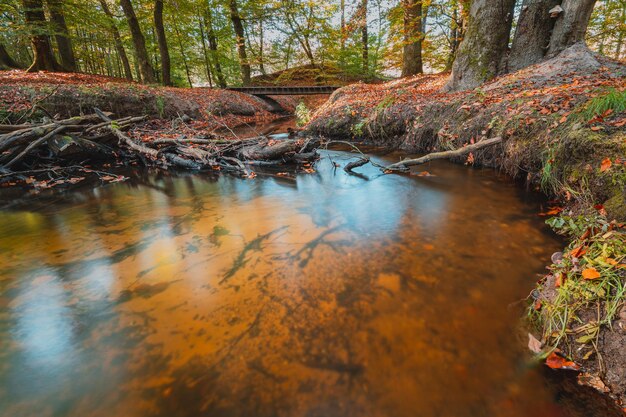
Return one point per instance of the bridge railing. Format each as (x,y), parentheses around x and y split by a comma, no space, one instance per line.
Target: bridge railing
(290,90)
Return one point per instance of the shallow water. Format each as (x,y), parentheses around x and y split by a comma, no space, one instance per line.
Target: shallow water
(319,295)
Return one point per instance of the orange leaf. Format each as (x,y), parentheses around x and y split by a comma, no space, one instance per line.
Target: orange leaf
(591,273)
(578,252)
(556,361)
(596,128)
(606,164)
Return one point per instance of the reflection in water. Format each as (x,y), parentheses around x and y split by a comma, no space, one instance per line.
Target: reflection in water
(320,295)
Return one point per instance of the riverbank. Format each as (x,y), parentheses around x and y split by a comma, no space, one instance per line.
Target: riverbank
(29,96)
(562,124)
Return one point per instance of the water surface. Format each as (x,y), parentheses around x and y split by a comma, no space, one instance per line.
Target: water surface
(314,295)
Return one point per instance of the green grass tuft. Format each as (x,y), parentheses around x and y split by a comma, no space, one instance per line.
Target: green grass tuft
(612,99)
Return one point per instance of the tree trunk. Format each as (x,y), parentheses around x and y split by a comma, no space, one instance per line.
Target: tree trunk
(365,38)
(162,41)
(182,53)
(205,53)
(117,40)
(413,37)
(571,25)
(5,59)
(139,43)
(61,35)
(214,49)
(480,54)
(261,45)
(456,33)
(35,19)
(532,34)
(240,40)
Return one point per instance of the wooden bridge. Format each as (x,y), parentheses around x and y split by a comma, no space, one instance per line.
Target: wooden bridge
(285,91)
(264,93)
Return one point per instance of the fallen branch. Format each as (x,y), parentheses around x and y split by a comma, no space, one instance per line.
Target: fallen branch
(405,164)
(355,164)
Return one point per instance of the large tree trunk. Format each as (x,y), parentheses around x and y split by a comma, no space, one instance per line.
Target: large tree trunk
(139,43)
(571,25)
(413,37)
(481,53)
(35,19)
(61,35)
(5,59)
(212,38)
(241,41)
(532,34)
(117,40)
(162,41)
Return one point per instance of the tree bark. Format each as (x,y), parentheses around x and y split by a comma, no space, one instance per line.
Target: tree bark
(532,35)
(480,54)
(457,31)
(240,40)
(61,35)
(571,25)
(213,47)
(139,43)
(35,19)
(117,40)
(413,38)
(5,59)
(365,38)
(162,41)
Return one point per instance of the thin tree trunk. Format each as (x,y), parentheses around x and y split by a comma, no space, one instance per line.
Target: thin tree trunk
(413,37)
(117,40)
(182,53)
(5,59)
(139,43)
(261,40)
(365,38)
(620,37)
(342,41)
(240,39)
(480,54)
(162,41)
(42,50)
(571,25)
(205,53)
(213,47)
(61,35)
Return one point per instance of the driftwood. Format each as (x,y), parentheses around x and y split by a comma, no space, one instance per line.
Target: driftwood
(47,147)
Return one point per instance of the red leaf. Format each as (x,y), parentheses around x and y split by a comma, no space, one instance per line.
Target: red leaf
(556,361)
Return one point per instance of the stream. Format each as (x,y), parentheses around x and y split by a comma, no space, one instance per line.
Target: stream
(317,294)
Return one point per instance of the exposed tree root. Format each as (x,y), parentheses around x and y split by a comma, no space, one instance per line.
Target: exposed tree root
(28,149)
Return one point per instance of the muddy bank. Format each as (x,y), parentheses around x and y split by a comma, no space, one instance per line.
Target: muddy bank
(562,124)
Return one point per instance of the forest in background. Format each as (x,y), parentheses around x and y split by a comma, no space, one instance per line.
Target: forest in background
(228,42)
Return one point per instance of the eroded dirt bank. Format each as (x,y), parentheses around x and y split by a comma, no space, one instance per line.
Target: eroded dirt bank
(562,124)
(27,96)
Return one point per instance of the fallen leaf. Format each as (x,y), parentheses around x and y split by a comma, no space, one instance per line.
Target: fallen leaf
(533,344)
(591,273)
(606,164)
(579,251)
(556,361)
(596,128)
